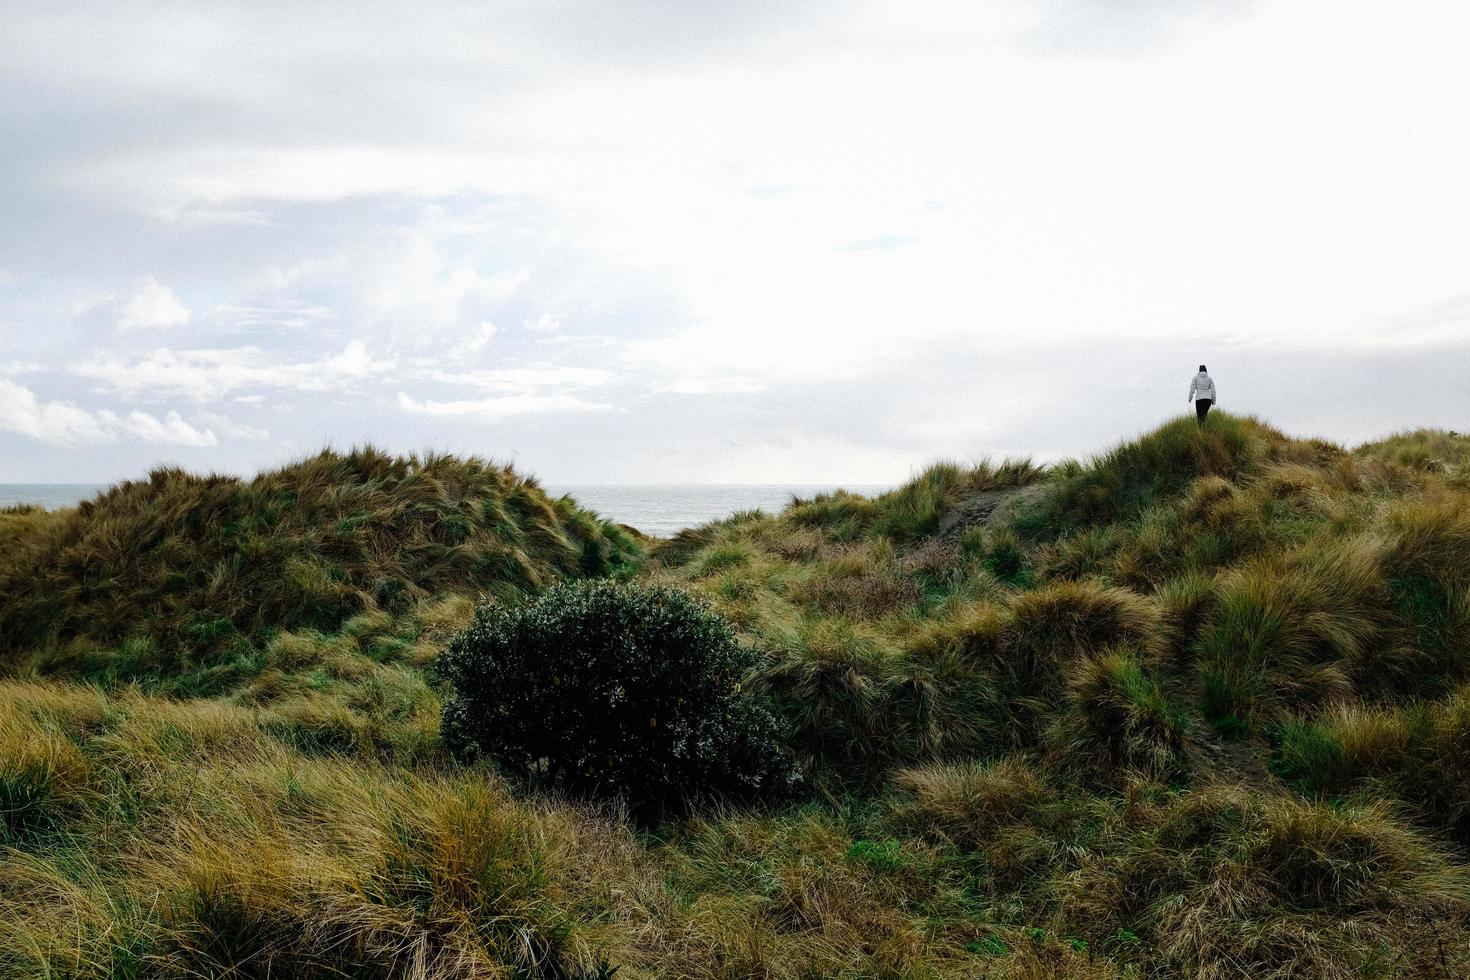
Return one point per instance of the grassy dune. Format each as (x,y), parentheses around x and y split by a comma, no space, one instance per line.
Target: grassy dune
(1197,707)
(186,582)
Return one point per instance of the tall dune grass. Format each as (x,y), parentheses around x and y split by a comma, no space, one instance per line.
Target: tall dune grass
(1196,707)
(180,570)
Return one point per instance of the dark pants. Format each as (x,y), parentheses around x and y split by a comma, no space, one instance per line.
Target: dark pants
(1202,408)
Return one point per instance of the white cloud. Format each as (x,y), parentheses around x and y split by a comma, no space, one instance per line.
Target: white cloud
(286,316)
(231,429)
(206,375)
(545,323)
(171,428)
(416,279)
(1083,27)
(14,368)
(203,215)
(153,305)
(186,179)
(715,386)
(494,409)
(473,343)
(524,379)
(422,285)
(61,423)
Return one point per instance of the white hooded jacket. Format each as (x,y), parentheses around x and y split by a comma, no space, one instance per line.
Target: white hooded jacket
(1203,386)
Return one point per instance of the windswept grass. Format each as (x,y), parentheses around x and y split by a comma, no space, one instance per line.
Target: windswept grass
(1125,481)
(1435,451)
(1196,707)
(180,571)
(914,509)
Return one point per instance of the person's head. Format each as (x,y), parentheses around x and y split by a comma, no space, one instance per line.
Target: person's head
(1201,369)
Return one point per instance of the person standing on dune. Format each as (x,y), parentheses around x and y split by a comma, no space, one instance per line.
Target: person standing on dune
(1202,393)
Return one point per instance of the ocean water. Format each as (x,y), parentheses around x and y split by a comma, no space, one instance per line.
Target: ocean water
(48,495)
(659,510)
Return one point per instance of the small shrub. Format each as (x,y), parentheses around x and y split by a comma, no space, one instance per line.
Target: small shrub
(608,690)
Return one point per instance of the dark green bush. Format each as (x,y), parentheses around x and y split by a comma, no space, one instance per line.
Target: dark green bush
(606,690)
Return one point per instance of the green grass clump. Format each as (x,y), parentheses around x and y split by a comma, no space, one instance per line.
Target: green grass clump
(43,776)
(1328,888)
(1122,717)
(1429,584)
(1412,753)
(1293,631)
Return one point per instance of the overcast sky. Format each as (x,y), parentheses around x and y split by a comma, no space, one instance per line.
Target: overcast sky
(752,241)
